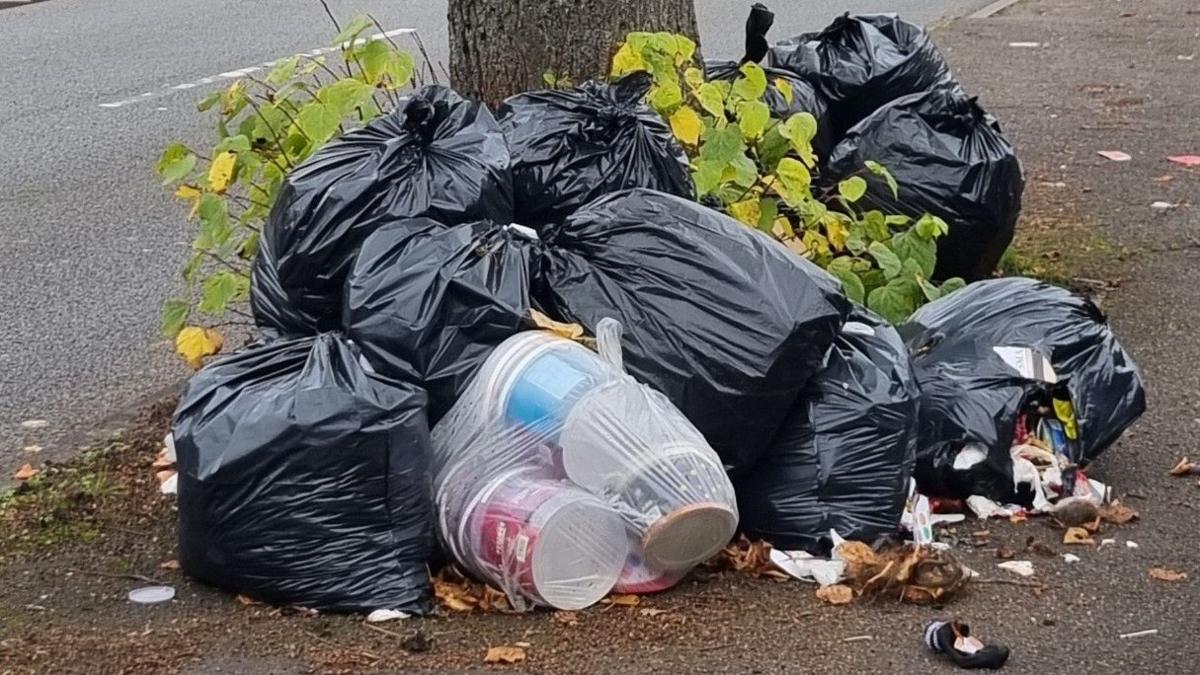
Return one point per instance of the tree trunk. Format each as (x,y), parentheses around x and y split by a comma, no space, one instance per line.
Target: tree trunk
(502,47)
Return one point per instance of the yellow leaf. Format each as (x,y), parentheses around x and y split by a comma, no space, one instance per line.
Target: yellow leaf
(627,60)
(837,594)
(571,331)
(749,211)
(505,654)
(25,472)
(1077,535)
(836,232)
(686,125)
(1164,574)
(194,343)
(782,228)
(785,88)
(627,600)
(187,192)
(814,241)
(220,174)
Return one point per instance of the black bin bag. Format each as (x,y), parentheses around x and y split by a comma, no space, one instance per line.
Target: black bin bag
(572,146)
(972,393)
(437,155)
(304,479)
(428,303)
(843,458)
(722,319)
(787,93)
(949,159)
(859,63)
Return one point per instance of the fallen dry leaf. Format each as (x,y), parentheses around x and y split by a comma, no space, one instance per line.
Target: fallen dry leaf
(1005,553)
(1165,178)
(25,472)
(1183,467)
(625,600)
(193,344)
(1164,574)
(1185,160)
(34,424)
(571,331)
(1114,155)
(746,556)
(245,600)
(33,449)
(652,611)
(1117,513)
(838,594)
(162,461)
(504,654)
(1078,535)
(172,565)
(164,476)
(566,618)
(1018,518)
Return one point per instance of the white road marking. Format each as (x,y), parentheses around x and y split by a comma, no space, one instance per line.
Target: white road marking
(242,72)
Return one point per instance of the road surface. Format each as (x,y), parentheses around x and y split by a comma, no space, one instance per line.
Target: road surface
(90,244)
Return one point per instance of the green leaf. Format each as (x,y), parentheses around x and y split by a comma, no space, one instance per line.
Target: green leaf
(745,173)
(769,211)
(752,84)
(192,267)
(851,283)
(665,97)
(852,189)
(930,291)
(899,220)
(772,148)
(374,56)
(752,118)
(357,25)
(249,248)
(930,226)
(785,90)
(799,127)
(208,102)
(722,145)
(856,240)
(222,288)
(895,301)
(283,70)
(684,50)
(707,176)
(795,180)
(876,225)
(319,121)
(214,222)
(237,143)
(885,258)
(879,170)
(175,163)
(174,316)
(952,284)
(912,268)
(711,99)
(343,97)
(907,245)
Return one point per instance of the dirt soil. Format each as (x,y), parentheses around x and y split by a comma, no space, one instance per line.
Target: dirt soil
(1104,76)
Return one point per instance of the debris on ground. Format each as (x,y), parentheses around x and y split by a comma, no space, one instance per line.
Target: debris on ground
(506,654)
(953,639)
(1164,574)
(1022,568)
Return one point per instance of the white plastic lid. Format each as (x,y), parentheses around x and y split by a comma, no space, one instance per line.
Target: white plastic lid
(148,595)
(579,554)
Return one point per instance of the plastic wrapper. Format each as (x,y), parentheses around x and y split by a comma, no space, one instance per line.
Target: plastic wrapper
(559,477)
(859,63)
(572,146)
(843,459)
(437,155)
(428,303)
(304,479)
(800,96)
(725,321)
(1000,350)
(949,159)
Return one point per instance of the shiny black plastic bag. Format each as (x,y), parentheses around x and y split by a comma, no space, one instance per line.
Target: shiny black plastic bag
(437,155)
(427,304)
(949,159)
(859,63)
(304,480)
(969,393)
(800,96)
(724,320)
(572,146)
(843,458)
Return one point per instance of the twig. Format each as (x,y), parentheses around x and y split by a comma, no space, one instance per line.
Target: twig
(858,638)
(133,577)
(226,263)
(382,31)
(384,631)
(274,135)
(329,14)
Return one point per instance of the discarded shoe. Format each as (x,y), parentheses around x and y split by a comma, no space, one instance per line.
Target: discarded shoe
(954,639)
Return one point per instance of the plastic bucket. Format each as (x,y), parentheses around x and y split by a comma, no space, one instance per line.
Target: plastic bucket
(545,540)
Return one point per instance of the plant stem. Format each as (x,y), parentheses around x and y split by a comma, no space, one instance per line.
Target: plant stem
(274,134)
(329,14)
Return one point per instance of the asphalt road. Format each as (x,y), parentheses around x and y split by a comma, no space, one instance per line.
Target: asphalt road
(90,243)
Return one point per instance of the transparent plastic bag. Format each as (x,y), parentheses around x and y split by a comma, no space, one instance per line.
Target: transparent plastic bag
(558,476)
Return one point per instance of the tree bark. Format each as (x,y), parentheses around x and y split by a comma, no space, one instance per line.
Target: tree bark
(503,47)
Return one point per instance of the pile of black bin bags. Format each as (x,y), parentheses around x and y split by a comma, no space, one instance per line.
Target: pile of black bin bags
(391,267)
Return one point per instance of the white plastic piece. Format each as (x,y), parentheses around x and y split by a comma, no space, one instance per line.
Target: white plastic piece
(149,595)
(524,231)
(984,508)
(1131,544)
(169,444)
(969,456)
(383,615)
(558,477)
(1107,542)
(170,486)
(1021,567)
(806,567)
(1070,558)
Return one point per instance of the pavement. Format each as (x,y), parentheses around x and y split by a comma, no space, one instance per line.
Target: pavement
(91,243)
(1067,78)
